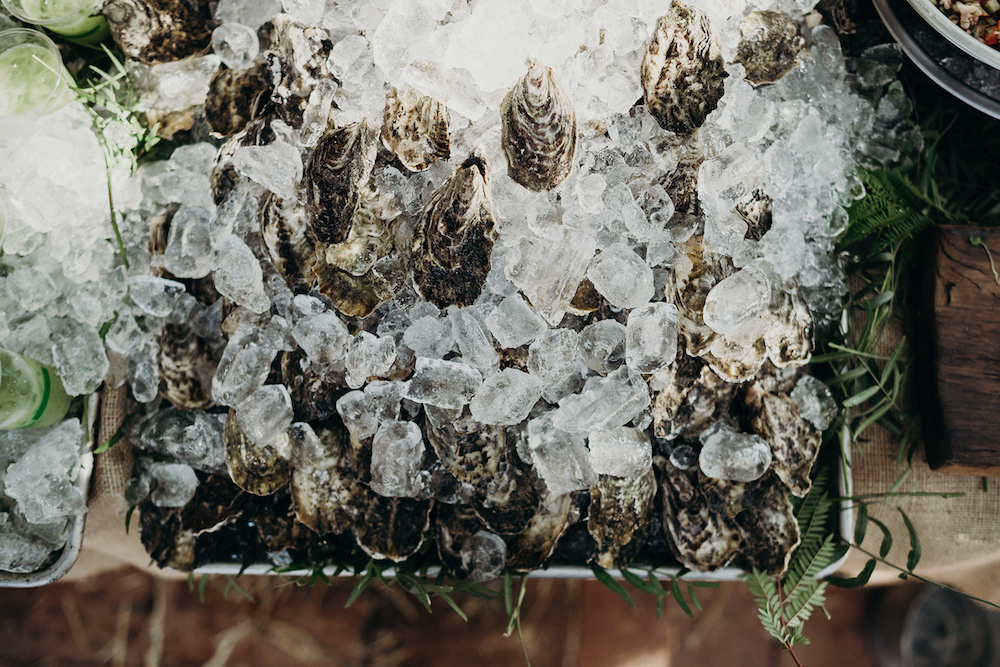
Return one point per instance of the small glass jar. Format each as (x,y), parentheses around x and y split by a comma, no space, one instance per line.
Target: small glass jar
(31,394)
(76,20)
(33,81)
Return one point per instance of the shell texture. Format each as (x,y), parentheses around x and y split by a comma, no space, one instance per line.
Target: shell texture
(790,335)
(284,227)
(695,274)
(255,469)
(187,366)
(618,518)
(756,212)
(532,547)
(452,526)
(415,129)
(313,399)
(794,441)
(687,397)
(236,97)
(703,540)
(682,70)
(326,495)
(224,176)
(538,130)
(453,239)
(298,63)
(391,528)
(770,532)
(159,31)
(341,166)
(770,45)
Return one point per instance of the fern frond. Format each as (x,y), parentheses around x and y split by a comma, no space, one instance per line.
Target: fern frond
(806,565)
(765,592)
(798,611)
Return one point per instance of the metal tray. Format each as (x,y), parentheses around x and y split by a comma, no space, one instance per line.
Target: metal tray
(845,524)
(69,553)
(970,80)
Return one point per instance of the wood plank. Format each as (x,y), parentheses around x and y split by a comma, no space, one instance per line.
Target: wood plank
(958,354)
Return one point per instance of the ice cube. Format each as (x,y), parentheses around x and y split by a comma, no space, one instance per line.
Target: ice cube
(309,12)
(506,397)
(41,481)
(277,166)
(155,296)
(144,373)
(236,44)
(815,401)
(429,337)
(561,458)
(20,552)
(238,276)
(244,366)
(514,323)
(367,356)
(189,251)
(552,359)
(723,182)
(265,414)
(443,384)
(622,452)
(191,437)
(473,338)
(730,455)
(397,450)
(651,337)
(549,268)
(621,277)
(363,411)
(322,335)
(621,208)
(174,484)
(602,346)
(604,403)
(252,13)
(588,193)
(738,299)
(483,555)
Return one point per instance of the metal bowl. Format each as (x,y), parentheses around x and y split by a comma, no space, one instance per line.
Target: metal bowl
(938,20)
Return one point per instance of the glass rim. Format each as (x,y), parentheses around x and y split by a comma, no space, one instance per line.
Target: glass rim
(43,40)
(14,7)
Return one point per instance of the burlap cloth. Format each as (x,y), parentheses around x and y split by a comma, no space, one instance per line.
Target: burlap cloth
(960,537)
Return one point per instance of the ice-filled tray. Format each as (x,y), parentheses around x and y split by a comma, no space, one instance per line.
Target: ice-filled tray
(63,559)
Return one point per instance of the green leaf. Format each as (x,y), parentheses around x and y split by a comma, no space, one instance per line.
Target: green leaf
(128,517)
(675,588)
(861,525)
(453,605)
(362,584)
(232,584)
(202,585)
(861,397)
(913,557)
(508,597)
(119,434)
(637,582)
(694,598)
(855,582)
(768,604)
(612,585)
(883,550)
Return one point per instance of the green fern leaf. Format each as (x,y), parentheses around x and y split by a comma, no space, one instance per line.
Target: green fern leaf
(798,612)
(805,567)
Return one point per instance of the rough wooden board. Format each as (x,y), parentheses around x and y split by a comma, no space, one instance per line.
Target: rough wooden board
(959,353)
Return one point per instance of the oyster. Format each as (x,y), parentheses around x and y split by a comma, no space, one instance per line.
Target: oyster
(391,528)
(358,296)
(794,441)
(255,469)
(178,537)
(790,333)
(725,496)
(756,212)
(532,547)
(687,397)
(236,97)
(769,46)
(326,495)
(277,526)
(339,171)
(682,186)
(538,130)
(619,515)
(703,540)
(187,365)
(159,31)
(735,361)
(284,235)
(696,272)
(313,399)
(453,239)
(453,525)
(770,532)
(224,176)
(298,60)
(415,128)
(682,70)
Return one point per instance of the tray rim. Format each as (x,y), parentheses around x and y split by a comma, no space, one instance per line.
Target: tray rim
(845,524)
(71,551)
(936,19)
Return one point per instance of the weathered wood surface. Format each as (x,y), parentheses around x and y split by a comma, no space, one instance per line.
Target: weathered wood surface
(959,352)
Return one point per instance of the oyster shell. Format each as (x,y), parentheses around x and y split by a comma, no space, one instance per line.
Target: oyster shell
(284,235)
(735,361)
(340,168)
(159,31)
(682,186)
(756,212)
(695,274)
(298,61)
(415,128)
(453,239)
(187,365)
(452,526)
(326,495)
(687,397)
(618,518)
(358,296)
(538,130)
(224,177)
(532,547)
(313,399)
(255,469)
(508,502)
(727,496)
(770,532)
(769,46)
(682,70)
(794,441)
(703,540)
(277,526)
(391,528)
(790,333)
(236,97)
